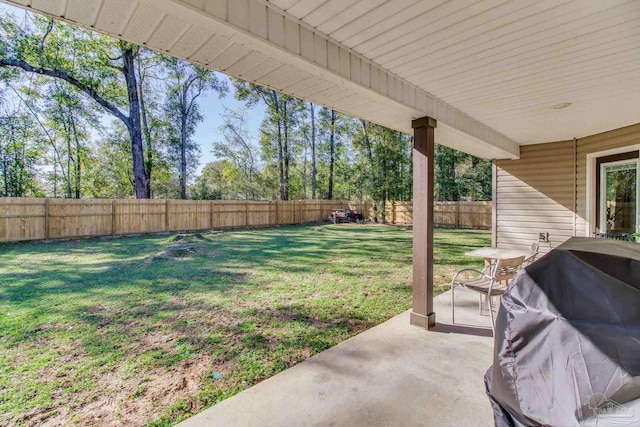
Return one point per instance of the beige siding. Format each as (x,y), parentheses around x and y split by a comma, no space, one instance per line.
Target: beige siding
(535,195)
(541,191)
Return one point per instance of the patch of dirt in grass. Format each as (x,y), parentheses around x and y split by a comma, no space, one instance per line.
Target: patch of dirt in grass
(170,254)
(119,398)
(153,341)
(158,256)
(118,401)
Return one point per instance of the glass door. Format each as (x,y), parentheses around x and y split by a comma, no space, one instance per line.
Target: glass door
(619,196)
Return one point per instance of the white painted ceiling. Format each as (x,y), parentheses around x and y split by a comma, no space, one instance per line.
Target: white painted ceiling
(488,71)
(505,63)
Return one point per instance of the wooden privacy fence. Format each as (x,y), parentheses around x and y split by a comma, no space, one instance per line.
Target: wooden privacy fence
(43,219)
(446,214)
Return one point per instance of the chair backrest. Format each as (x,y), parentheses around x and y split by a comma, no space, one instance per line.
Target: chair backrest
(506,269)
(535,247)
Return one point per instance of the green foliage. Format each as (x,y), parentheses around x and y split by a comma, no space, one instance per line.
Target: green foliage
(460,176)
(216,182)
(111,174)
(383,164)
(19,157)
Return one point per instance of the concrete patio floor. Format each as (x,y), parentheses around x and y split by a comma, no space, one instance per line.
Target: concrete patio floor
(391,375)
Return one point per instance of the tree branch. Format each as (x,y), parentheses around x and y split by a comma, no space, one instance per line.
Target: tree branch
(18,63)
(115,67)
(46,34)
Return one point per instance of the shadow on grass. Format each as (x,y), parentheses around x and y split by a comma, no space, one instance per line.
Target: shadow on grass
(221,263)
(251,302)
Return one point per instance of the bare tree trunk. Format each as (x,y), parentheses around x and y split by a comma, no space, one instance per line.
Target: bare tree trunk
(183,158)
(304,173)
(287,155)
(67,133)
(68,166)
(141,187)
(145,129)
(314,171)
(78,171)
(332,153)
(276,105)
(55,177)
(374,175)
(5,176)
(283,193)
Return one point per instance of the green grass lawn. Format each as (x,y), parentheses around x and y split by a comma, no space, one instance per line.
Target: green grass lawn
(101,332)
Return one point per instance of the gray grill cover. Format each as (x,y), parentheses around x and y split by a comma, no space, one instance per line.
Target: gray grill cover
(567,346)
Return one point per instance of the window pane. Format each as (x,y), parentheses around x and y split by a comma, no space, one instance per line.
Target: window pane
(621,193)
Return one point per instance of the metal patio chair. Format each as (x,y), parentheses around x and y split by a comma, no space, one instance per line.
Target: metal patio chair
(535,249)
(489,283)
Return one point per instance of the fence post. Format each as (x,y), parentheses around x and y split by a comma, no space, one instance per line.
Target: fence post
(457,205)
(46,219)
(211,219)
(246,214)
(301,218)
(277,212)
(166,215)
(113,218)
(393,212)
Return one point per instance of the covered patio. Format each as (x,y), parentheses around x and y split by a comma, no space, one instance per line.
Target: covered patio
(495,79)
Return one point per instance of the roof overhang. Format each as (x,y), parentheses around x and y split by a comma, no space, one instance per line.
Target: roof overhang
(255,41)
(489,72)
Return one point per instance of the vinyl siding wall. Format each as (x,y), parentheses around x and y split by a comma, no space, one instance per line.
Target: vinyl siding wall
(545,190)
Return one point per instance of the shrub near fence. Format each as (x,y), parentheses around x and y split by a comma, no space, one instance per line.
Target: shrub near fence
(446,214)
(24,219)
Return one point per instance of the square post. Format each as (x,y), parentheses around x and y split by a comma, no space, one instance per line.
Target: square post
(422,314)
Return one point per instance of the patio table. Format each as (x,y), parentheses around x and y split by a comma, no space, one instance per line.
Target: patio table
(489,254)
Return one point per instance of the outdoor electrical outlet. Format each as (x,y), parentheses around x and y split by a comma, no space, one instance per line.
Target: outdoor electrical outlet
(543,237)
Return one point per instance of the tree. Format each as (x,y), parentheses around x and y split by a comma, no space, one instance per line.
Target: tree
(18,158)
(69,118)
(155,124)
(216,181)
(100,67)
(53,141)
(276,132)
(111,174)
(238,149)
(384,160)
(310,133)
(445,161)
(475,178)
(332,128)
(461,176)
(185,84)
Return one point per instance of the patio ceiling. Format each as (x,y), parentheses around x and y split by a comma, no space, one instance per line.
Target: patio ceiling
(505,63)
(488,71)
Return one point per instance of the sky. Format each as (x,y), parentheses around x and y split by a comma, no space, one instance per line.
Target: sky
(212,109)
